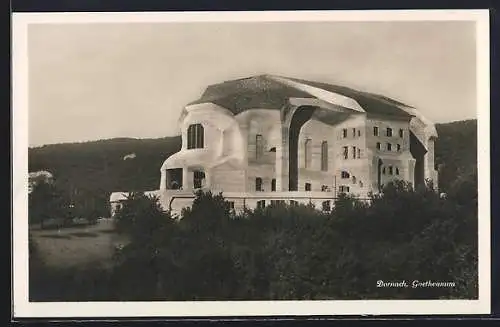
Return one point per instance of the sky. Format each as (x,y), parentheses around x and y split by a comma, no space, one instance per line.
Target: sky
(99,81)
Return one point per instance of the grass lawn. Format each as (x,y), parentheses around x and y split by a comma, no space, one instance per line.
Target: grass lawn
(78,246)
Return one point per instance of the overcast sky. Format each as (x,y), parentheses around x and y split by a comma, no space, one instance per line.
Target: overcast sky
(99,81)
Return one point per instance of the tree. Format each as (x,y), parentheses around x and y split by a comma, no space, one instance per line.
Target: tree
(144,261)
(45,202)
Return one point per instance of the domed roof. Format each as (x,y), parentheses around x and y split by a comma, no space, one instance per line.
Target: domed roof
(273,92)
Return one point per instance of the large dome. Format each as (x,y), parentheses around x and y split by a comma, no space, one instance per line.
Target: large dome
(274,92)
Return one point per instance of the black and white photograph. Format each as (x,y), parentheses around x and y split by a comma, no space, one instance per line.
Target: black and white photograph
(251,163)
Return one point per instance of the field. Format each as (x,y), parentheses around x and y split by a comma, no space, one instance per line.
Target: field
(77,246)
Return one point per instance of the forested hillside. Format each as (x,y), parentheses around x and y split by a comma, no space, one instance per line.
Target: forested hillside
(98,168)
(456,151)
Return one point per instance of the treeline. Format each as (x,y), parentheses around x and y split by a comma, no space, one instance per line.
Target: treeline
(286,252)
(92,170)
(456,151)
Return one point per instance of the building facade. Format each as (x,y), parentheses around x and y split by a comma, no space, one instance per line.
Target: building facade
(276,138)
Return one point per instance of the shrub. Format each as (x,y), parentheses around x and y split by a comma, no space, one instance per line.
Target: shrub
(143,219)
(297,252)
(47,202)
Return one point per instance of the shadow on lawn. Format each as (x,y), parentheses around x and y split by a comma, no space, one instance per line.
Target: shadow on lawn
(66,237)
(84,234)
(108,231)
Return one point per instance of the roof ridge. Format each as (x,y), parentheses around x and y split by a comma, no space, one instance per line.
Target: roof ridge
(226,93)
(373,95)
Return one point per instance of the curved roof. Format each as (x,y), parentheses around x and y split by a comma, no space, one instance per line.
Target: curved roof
(188,158)
(273,92)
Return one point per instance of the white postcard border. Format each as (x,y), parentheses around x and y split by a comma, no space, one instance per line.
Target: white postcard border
(24,308)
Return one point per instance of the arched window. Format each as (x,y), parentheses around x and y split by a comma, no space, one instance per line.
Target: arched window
(397,171)
(307,153)
(273,185)
(258,184)
(344,174)
(324,156)
(195,136)
(308,186)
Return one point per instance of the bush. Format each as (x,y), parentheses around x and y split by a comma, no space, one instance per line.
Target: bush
(143,219)
(48,202)
(297,252)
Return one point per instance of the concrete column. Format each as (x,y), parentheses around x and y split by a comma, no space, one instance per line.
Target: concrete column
(163,179)
(283,157)
(373,173)
(278,167)
(208,178)
(187,182)
(410,172)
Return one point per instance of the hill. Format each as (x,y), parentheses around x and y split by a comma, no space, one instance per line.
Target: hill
(456,151)
(97,168)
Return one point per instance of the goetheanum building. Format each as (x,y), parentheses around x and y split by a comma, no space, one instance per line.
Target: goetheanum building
(271,137)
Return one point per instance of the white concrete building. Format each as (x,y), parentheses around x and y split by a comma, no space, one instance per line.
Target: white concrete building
(268,138)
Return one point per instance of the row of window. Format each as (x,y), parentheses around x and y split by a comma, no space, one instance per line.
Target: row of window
(388,131)
(261,204)
(195,138)
(390,170)
(355,154)
(355,132)
(307,186)
(258,184)
(259,152)
(308,154)
(343,189)
(389,147)
(345,175)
